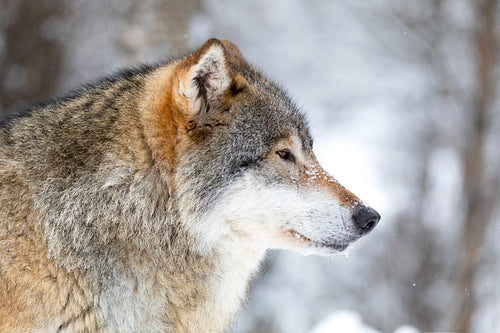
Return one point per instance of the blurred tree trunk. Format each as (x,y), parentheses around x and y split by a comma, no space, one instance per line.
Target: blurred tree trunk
(176,17)
(31,58)
(479,202)
(171,24)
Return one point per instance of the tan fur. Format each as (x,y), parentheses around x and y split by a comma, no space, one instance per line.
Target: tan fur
(32,288)
(315,175)
(162,118)
(310,174)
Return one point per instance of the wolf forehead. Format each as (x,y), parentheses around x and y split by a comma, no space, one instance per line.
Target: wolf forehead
(266,116)
(261,116)
(264,102)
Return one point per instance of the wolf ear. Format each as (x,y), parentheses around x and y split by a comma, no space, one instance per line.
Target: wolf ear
(233,52)
(204,80)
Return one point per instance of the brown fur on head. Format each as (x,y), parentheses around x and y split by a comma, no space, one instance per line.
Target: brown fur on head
(181,105)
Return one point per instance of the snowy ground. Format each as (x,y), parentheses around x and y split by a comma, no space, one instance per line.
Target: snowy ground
(346,321)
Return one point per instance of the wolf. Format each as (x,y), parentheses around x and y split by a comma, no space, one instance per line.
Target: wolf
(145,202)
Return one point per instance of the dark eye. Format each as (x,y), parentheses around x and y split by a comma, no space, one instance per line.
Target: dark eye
(286,155)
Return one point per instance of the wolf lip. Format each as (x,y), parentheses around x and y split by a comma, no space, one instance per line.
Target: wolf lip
(335,246)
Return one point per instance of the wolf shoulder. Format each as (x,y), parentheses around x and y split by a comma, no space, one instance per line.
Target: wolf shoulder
(75,133)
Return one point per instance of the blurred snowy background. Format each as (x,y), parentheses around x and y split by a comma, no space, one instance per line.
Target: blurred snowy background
(403,100)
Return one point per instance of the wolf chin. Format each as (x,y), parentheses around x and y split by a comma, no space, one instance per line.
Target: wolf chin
(145,202)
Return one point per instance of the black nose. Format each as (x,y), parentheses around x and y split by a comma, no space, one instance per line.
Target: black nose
(366,219)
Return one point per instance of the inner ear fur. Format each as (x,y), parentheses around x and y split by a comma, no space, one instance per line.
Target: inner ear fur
(204,83)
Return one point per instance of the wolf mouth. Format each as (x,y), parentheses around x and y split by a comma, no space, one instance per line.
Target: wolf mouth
(333,245)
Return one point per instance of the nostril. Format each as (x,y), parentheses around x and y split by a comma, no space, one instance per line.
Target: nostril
(369,226)
(366,218)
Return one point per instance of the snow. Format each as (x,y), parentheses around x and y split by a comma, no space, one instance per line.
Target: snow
(406,329)
(344,321)
(347,321)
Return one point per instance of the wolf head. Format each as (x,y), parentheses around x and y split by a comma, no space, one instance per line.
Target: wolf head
(239,158)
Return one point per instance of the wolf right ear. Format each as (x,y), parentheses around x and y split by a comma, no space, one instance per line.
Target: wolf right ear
(205,79)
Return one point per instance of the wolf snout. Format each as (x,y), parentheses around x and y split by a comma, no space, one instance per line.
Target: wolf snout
(366,218)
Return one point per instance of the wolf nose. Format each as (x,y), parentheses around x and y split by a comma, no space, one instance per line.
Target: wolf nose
(366,218)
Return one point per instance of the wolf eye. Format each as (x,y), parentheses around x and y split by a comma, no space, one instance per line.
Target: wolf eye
(286,155)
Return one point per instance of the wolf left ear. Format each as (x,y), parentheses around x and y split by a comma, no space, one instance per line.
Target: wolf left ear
(205,79)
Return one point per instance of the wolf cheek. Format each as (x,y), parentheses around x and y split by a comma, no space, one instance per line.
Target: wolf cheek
(299,215)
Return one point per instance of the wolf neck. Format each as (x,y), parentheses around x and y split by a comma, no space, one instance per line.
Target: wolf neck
(227,288)
(203,293)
